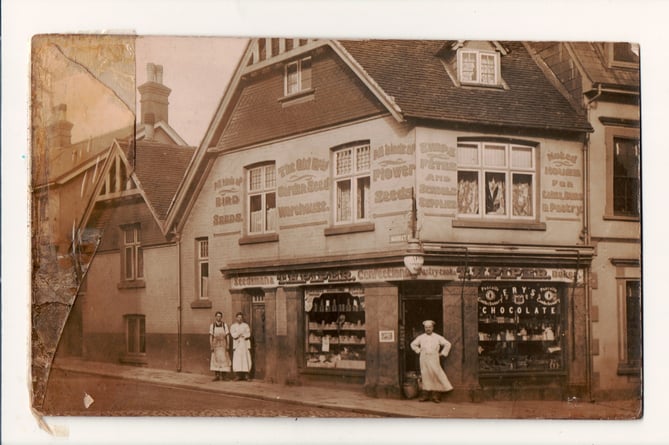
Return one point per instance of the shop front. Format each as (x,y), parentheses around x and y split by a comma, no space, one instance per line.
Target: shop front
(517,332)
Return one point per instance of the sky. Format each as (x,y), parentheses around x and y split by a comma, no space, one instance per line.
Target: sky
(197,70)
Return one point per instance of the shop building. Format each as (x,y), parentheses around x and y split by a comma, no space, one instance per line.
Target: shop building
(602,79)
(347,190)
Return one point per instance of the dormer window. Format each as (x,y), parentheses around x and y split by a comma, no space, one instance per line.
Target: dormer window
(623,55)
(478,67)
(297,76)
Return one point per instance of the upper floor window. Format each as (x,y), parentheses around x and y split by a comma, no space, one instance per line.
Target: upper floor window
(132,255)
(297,76)
(203,267)
(352,183)
(478,67)
(496,180)
(626,192)
(261,192)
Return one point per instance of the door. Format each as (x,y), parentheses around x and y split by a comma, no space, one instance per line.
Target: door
(418,303)
(258,336)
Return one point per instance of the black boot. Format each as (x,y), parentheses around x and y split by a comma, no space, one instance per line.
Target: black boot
(424,396)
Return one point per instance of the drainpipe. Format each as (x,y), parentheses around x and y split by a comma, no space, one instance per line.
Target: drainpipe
(178,239)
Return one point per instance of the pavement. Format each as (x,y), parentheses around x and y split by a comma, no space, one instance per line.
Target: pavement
(355,400)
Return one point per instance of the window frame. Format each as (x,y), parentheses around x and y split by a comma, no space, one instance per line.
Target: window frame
(628,271)
(135,345)
(137,254)
(482,170)
(479,55)
(353,177)
(263,192)
(200,259)
(617,63)
(613,133)
(302,81)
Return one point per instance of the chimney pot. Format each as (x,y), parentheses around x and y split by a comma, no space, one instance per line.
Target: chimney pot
(159,74)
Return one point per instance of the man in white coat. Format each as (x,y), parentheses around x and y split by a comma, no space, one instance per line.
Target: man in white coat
(431,346)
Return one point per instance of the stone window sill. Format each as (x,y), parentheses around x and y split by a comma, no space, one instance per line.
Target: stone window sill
(257,239)
(203,303)
(133,284)
(134,358)
(299,97)
(631,369)
(507,225)
(349,228)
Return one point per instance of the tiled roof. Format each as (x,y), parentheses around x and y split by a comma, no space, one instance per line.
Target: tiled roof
(413,74)
(598,70)
(160,169)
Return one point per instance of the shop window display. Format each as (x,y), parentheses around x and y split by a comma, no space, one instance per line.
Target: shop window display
(335,334)
(520,328)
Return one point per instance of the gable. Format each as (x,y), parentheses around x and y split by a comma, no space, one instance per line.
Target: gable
(260,114)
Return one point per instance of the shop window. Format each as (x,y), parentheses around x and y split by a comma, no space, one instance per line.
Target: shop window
(520,328)
(352,183)
(630,361)
(623,171)
(132,255)
(496,181)
(203,268)
(261,192)
(478,67)
(335,331)
(297,76)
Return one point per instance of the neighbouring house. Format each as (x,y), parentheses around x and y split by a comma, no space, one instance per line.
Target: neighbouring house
(602,79)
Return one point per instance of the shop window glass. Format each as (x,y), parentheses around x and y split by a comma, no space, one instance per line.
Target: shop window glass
(520,328)
(335,331)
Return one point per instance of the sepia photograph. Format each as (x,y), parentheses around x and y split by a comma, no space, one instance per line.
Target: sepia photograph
(251,226)
(375,223)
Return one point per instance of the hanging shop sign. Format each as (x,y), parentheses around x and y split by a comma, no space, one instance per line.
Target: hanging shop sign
(400,273)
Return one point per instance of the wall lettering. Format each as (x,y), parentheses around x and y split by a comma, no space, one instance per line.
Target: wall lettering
(562,193)
(394,149)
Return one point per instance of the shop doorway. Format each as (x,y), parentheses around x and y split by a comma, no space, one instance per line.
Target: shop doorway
(258,339)
(419,302)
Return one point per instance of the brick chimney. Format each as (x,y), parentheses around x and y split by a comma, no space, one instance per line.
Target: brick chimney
(149,122)
(59,131)
(154,94)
